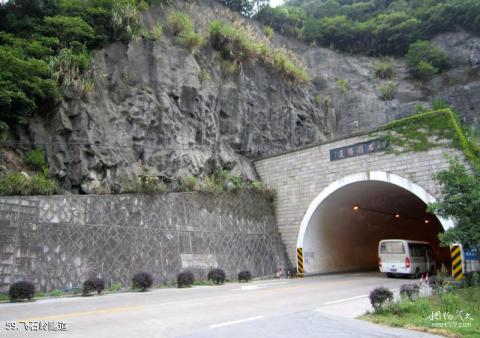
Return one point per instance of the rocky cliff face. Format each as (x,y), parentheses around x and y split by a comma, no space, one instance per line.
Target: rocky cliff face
(179,113)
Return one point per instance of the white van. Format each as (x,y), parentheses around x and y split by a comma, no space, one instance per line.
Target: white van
(404,257)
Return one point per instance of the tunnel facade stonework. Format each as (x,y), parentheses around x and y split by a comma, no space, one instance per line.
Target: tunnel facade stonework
(300,176)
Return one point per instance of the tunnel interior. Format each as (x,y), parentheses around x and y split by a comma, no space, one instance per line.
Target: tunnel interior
(344,230)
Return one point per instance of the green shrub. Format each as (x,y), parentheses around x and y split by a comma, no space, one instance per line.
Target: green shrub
(149,183)
(179,23)
(14,184)
(343,85)
(283,62)
(410,291)
(210,185)
(387,91)
(190,183)
(39,294)
(115,287)
(69,29)
(268,31)
(235,45)
(232,43)
(93,284)
(157,31)
(323,100)
(21,290)
(440,283)
(41,184)
(25,81)
(424,59)
(190,40)
(125,17)
(263,189)
(424,70)
(245,276)
(35,159)
(18,184)
(56,293)
(204,76)
(142,281)
(379,297)
(383,70)
(217,276)
(438,104)
(236,181)
(185,279)
(72,70)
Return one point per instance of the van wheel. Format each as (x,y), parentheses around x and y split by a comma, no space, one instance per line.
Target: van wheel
(390,275)
(416,275)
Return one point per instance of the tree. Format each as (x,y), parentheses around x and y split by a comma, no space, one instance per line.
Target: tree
(69,29)
(460,200)
(25,84)
(246,7)
(425,59)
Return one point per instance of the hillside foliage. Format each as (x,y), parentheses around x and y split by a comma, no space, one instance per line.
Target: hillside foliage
(371,27)
(45,45)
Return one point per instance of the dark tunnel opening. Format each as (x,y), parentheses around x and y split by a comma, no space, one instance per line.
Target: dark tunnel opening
(346,227)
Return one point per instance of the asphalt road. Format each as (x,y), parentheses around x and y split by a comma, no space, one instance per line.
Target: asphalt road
(322,306)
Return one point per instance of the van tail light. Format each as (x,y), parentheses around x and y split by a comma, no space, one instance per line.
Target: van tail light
(379,261)
(407,262)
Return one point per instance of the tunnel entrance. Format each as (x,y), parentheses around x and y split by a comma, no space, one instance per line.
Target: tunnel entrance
(343,225)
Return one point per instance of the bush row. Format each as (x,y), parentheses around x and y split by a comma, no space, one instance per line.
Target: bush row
(141,281)
(216,183)
(382,299)
(20,184)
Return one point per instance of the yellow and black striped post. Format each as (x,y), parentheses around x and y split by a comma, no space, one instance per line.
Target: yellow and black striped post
(457,261)
(299,262)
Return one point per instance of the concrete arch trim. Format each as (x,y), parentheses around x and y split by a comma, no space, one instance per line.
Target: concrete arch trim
(399,181)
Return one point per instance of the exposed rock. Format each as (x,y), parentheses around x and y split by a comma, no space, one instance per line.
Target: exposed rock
(152,104)
(463,48)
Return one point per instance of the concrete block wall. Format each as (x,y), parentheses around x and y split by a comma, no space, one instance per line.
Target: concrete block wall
(59,241)
(299,176)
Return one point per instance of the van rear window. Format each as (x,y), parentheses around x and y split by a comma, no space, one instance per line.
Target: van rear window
(392,248)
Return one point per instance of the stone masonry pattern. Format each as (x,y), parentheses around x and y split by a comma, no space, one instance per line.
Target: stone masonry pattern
(298,177)
(59,241)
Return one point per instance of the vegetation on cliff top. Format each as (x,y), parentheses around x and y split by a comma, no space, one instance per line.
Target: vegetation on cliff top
(45,45)
(236,45)
(372,27)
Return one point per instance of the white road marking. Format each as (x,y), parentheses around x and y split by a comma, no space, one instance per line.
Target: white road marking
(351,298)
(235,322)
(58,300)
(274,283)
(345,300)
(259,286)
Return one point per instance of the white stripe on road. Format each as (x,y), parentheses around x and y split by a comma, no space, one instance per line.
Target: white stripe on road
(345,300)
(235,322)
(259,286)
(351,298)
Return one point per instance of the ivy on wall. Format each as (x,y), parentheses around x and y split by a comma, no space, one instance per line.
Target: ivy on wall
(428,130)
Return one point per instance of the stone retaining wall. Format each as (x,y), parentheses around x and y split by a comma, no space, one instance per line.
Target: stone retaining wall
(59,241)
